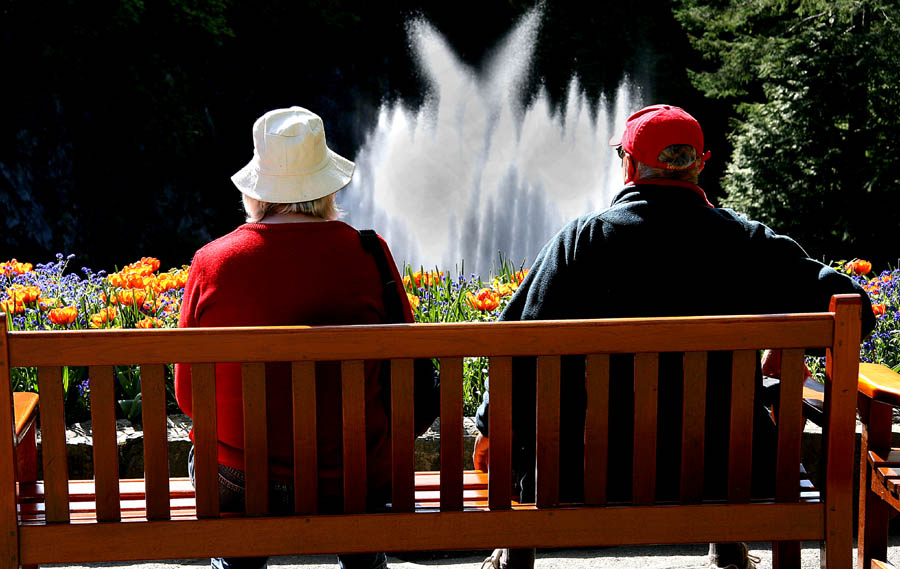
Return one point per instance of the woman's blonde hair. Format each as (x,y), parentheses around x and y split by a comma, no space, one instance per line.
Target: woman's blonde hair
(324,208)
(682,156)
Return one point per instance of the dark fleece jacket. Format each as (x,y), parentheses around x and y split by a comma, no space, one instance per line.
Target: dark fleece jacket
(658,251)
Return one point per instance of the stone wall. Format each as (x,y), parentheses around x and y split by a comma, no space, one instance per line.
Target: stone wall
(131,448)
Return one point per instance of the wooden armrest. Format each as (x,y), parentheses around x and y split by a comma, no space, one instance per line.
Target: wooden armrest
(880,383)
(25,411)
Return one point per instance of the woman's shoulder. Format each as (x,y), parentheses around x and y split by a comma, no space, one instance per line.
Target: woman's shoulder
(245,238)
(224,242)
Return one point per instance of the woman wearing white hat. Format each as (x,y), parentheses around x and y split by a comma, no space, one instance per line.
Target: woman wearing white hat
(293,263)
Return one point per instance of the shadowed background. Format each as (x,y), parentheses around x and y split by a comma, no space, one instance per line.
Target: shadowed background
(125,119)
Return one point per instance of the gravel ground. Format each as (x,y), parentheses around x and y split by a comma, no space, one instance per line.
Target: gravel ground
(644,557)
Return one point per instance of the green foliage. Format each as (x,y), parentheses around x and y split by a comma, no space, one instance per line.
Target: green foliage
(813,86)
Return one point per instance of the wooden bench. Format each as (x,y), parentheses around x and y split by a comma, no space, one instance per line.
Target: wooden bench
(879,469)
(57,520)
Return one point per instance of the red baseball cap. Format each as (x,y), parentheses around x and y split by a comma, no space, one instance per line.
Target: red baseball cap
(652,129)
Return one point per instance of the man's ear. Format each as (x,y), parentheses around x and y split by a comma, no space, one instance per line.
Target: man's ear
(630,167)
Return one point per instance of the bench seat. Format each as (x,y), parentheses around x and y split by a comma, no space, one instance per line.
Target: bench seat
(182,501)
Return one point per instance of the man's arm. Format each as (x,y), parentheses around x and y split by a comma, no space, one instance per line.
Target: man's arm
(790,281)
(545,294)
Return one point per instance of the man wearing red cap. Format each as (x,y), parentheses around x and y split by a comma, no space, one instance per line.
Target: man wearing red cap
(660,249)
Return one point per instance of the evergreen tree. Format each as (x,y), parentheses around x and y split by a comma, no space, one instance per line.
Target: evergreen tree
(815,91)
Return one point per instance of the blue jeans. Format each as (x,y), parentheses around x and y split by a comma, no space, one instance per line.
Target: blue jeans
(281,500)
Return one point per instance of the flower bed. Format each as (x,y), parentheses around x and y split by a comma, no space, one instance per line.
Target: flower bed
(437,297)
(882,346)
(47,297)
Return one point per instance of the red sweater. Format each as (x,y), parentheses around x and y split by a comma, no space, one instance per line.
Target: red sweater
(286,274)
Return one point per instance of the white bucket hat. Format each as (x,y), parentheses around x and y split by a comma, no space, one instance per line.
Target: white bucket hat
(291,162)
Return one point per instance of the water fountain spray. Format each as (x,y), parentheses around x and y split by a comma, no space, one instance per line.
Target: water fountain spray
(472,171)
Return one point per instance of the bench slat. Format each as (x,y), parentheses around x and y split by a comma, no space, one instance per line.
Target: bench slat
(625,335)
(891,459)
(646,388)
(693,430)
(181,487)
(431,480)
(103,433)
(451,434)
(596,428)
(411,531)
(500,421)
(256,452)
(790,426)
(353,401)
(740,439)
(206,465)
(403,435)
(83,490)
(156,450)
(53,441)
(548,398)
(306,464)
(790,423)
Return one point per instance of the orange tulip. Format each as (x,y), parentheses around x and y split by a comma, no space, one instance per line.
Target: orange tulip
(879,309)
(11,307)
(131,278)
(181,277)
(63,316)
(131,297)
(169,281)
(505,289)
(162,283)
(150,322)
(485,299)
(14,266)
(519,276)
(24,294)
(424,279)
(105,315)
(46,304)
(858,267)
(152,262)
(144,267)
(413,300)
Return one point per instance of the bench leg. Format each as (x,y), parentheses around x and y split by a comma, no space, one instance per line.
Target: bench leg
(26,463)
(786,555)
(874,513)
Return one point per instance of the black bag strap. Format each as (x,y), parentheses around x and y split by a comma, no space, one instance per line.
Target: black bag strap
(391,293)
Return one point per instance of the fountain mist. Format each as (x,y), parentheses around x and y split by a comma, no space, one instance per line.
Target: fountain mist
(472,171)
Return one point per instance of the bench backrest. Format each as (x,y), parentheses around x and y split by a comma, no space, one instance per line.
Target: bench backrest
(837,331)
